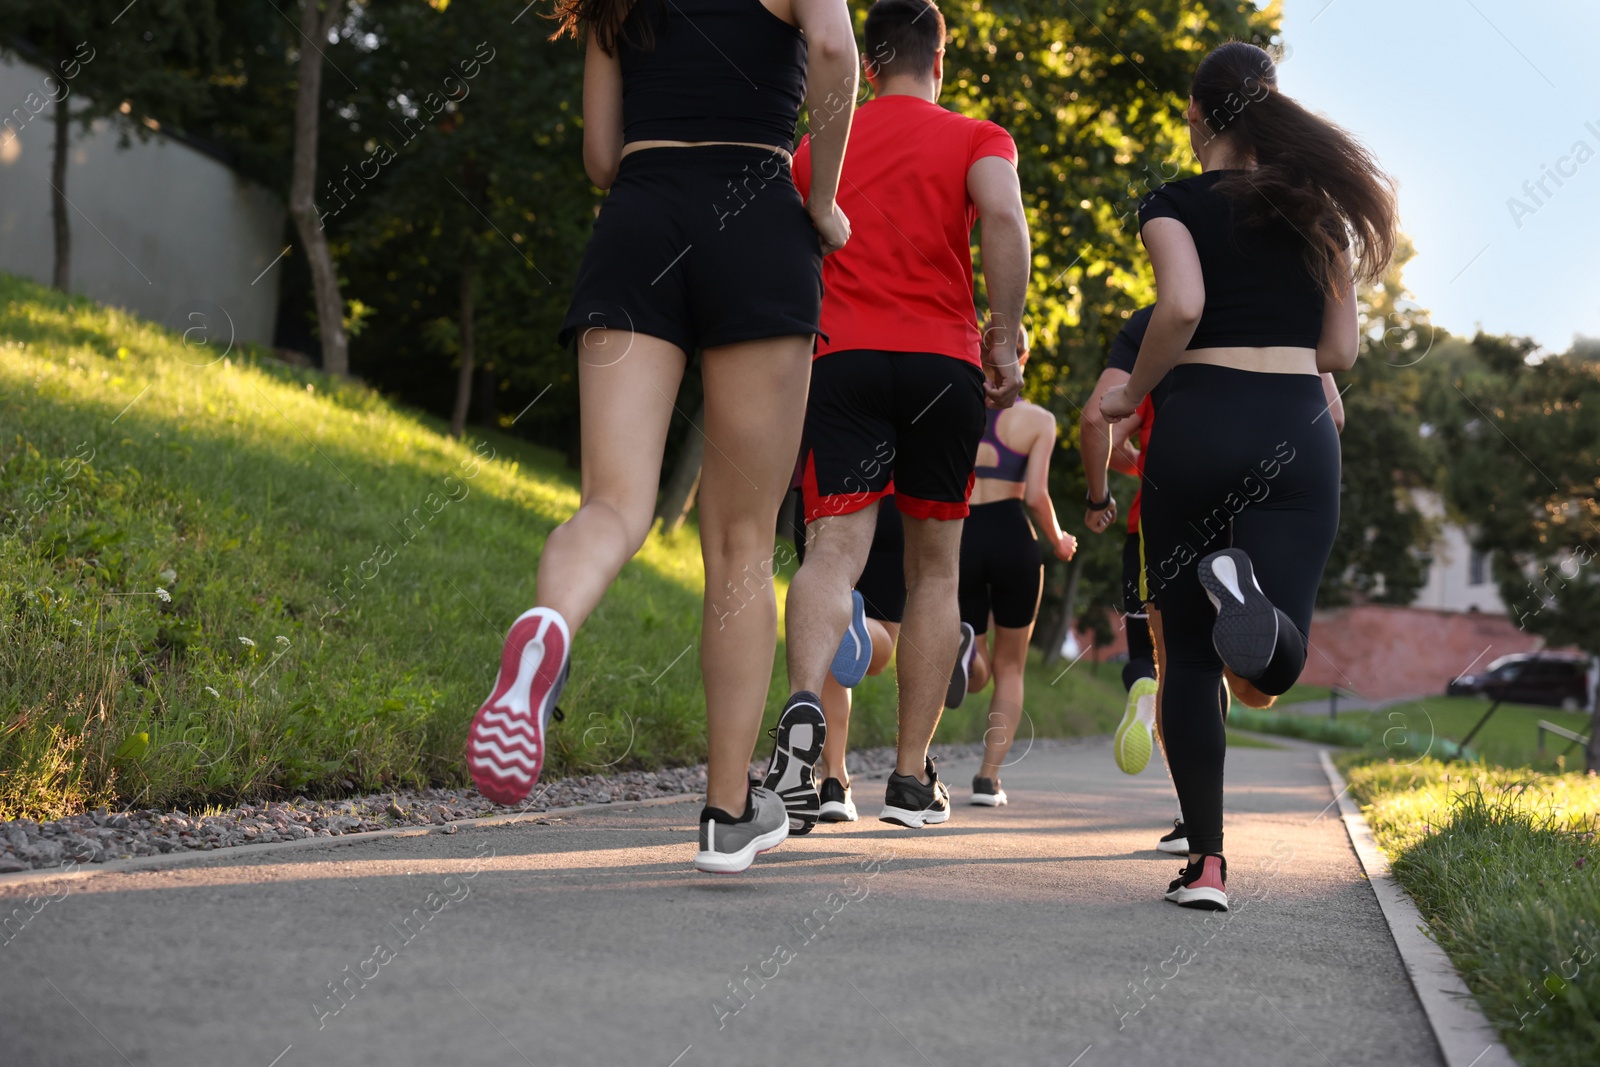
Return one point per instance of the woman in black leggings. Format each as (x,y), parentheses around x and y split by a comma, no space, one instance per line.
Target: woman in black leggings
(1256,261)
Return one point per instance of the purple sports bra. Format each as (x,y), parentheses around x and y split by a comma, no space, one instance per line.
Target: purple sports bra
(1012,466)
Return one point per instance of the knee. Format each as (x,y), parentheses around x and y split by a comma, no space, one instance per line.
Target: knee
(632,521)
(738,543)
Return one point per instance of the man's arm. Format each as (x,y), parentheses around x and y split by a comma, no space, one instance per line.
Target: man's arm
(1125,458)
(993,186)
(1094,446)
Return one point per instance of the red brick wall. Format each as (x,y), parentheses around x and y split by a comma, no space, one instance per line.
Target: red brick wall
(1381,651)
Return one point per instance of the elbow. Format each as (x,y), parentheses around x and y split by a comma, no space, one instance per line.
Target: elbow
(1337,357)
(837,44)
(1036,500)
(599,173)
(1182,309)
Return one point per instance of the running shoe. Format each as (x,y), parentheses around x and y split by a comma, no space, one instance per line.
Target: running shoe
(1131,743)
(1202,885)
(798,745)
(1177,841)
(505,745)
(986,793)
(836,803)
(908,802)
(959,677)
(1246,631)
(855,648)
(729,845)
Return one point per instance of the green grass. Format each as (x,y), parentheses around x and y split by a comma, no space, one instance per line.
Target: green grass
(1289,724)
(1503,866)
(224,579)
(1509,739)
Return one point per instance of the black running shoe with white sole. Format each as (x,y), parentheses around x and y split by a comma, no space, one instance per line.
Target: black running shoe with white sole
(907,802)
(837,806)
(1175,843)
(986,792)
(1246,631)
(798,745)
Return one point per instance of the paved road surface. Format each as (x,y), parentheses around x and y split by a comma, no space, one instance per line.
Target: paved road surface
(1031,934)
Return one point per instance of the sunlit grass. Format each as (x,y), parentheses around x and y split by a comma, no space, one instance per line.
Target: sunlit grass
(1502,863)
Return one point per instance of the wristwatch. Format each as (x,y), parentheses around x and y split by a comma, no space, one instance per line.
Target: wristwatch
(1098,505)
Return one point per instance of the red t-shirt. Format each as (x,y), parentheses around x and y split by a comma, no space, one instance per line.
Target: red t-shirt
(903,282)
(1147,419)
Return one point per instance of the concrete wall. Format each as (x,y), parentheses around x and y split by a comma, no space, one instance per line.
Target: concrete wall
(158,228)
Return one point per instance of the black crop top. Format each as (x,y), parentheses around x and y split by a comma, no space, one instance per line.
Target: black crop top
(720,70)
(1259,291)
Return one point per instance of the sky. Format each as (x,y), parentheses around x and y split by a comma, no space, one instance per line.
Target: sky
(1463,101)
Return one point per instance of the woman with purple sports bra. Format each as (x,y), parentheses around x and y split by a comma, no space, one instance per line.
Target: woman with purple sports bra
(1002,572)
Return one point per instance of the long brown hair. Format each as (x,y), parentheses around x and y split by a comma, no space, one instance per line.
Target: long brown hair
(1308,171)
(608,20)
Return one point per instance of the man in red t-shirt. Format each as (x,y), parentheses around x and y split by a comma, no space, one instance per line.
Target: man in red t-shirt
(900,380)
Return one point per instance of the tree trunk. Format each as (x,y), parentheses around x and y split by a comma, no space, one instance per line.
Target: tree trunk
(58,200)
(488,390)
(678,497)
(469,273)
(1068,604)
(314,27)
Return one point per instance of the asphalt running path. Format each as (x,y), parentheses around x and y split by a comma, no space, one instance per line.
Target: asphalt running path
(1030,934)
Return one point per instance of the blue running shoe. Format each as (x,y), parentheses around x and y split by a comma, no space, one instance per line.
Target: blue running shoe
(855,650)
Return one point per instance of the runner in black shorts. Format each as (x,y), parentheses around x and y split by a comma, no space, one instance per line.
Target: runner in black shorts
(702,244)
(1002,574)
(898,386)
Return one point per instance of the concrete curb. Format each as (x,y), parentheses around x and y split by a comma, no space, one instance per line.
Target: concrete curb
(179,859)
(1465,1037)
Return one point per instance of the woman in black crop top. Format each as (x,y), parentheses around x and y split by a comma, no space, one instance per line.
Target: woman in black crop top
(1256,261)
(703,244)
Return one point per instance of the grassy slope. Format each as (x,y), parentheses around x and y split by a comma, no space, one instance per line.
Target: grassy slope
(1509,739)
(335,577)
(1503,864)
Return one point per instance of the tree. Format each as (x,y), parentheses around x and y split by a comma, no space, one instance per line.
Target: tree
(317,21)
(137,67)
(1381,549)
(1524,442)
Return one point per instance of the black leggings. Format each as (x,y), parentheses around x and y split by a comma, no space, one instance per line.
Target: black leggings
(1252,461)
(1136,624)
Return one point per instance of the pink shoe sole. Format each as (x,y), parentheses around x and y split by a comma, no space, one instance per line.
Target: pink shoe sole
(505,746)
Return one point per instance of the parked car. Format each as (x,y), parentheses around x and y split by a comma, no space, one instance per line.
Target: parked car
(1553,678)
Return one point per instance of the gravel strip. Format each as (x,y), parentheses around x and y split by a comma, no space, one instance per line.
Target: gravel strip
(104,835)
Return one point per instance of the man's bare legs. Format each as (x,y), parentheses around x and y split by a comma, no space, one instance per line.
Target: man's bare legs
(836,703)
(626,385)
(755,408)
(1009,659)
(818,610)
(928,637)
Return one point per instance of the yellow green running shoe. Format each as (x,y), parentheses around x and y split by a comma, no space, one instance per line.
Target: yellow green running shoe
(1132,740)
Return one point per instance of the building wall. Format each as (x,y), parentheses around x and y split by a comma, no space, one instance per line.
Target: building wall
(1382,651)
(158,228)
(1456,580)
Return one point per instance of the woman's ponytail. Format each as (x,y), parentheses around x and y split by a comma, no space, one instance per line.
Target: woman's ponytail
(1310,172)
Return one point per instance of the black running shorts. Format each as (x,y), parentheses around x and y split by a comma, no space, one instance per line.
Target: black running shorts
(910,420)
(700,247)
(1002,567)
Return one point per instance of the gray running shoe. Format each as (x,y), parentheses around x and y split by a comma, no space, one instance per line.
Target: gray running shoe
(729,845)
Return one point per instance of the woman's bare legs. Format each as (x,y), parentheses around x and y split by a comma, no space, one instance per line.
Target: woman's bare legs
(626,386)
(836,703)
(755,408)
(1008,661)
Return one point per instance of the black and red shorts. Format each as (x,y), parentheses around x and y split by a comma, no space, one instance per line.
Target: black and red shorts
(874,418)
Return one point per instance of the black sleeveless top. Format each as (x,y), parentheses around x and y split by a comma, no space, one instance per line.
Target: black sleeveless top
(1259,291)
(720,70)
